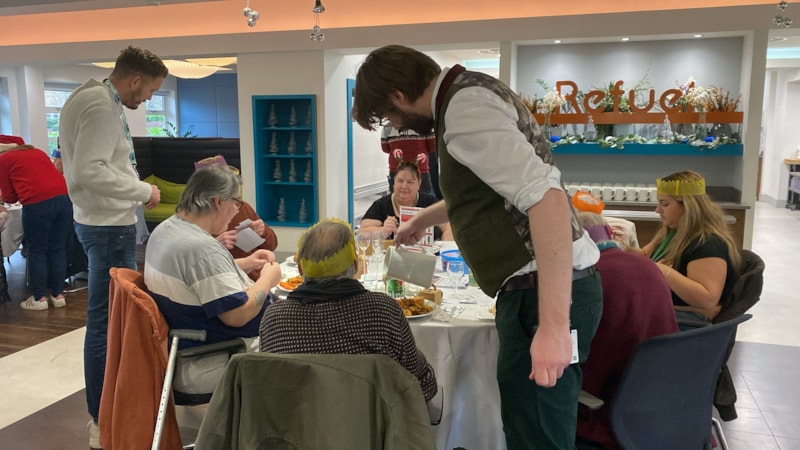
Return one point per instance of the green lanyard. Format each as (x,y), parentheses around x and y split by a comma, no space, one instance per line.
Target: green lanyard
(662,249)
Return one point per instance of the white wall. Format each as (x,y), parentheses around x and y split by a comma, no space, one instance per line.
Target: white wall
(283,73)
(783,138)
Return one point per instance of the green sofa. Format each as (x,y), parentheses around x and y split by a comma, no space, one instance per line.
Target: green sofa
(169,162)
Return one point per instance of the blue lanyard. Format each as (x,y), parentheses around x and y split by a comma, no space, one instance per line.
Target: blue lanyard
(132,153)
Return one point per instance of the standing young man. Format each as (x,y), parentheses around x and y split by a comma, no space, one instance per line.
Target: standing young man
(512,222)
(99,166)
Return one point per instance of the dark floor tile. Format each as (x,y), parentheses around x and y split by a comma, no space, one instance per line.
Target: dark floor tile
(787,444)
(783,424)
(61,425)
(740,440)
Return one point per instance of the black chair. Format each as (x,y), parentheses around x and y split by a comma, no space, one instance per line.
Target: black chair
(665,396)
(745,293)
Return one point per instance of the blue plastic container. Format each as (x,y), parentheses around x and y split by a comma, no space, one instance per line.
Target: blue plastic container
(452,255)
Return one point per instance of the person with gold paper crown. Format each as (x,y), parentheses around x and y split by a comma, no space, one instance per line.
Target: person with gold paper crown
(331,312)
(694,249)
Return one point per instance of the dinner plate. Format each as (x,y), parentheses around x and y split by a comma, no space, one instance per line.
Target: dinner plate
(290,261)
(484,314)
(426,315)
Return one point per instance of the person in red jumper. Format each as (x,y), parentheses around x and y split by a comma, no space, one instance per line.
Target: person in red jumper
(407,145)
(28,176)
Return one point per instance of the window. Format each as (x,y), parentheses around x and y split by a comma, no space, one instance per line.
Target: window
(158,117)
(55,95)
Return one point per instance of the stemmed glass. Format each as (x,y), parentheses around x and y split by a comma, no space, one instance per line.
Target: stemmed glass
(455,271)
(362,242)
(377,253)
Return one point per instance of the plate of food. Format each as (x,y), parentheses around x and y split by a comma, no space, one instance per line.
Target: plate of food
(415,308)
(290,261)
(486,313)
(290,284)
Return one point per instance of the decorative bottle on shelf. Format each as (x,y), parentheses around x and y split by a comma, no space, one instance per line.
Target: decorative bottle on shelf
(292,172)
(281,210)
(590,131)
(292,148)
(307,176)
(293,117)
(273,143)
(302,216)
(665,134)
(308,145)
(277,174)
(273,116)
(700,130)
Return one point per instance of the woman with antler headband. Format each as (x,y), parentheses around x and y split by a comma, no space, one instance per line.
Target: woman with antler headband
(694,248)
(384,214)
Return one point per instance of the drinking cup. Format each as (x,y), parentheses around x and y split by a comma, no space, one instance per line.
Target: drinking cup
(619,193)
(597,191)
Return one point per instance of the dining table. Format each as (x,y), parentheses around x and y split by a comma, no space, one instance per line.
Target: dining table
(462,349)
(463,354)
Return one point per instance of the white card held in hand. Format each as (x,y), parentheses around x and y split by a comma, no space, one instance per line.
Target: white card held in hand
(247,239)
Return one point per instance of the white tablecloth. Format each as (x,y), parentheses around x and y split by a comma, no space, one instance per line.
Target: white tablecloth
(463,353)
(11,231)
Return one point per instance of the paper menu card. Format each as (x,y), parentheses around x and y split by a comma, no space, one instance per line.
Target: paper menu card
(406,213)
(246,238)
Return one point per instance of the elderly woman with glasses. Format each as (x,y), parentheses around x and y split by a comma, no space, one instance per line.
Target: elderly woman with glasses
(194,279)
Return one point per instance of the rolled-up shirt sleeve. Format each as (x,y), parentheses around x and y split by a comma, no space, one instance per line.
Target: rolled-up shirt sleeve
(481,133)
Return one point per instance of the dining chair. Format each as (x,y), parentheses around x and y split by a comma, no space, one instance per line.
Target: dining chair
(316,401)
(137,407)
(664,399)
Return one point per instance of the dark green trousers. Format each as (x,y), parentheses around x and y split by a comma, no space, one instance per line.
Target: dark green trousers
(536,417)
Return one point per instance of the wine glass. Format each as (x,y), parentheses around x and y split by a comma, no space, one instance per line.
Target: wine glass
(362,242)
(455,271)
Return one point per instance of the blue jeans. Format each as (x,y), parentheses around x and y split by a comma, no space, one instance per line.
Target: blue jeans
(105,247)
(46,225)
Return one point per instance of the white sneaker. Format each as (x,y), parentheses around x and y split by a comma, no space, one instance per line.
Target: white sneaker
(57,302)
(94,435)
(33,305)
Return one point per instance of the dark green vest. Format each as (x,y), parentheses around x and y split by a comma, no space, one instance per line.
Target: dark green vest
(492,234)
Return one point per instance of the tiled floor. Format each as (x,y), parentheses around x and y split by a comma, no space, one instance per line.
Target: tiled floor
(43,384)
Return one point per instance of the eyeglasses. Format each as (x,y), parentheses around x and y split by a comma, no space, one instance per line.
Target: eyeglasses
(238,202)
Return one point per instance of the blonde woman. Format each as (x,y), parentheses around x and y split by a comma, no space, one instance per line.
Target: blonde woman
(693,249)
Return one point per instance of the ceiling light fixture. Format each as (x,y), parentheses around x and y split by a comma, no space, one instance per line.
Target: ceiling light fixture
(780,20)
(625,39)
(251,14)
(217,62)
(185,69)
(316,32)
(698,35)
(557,41)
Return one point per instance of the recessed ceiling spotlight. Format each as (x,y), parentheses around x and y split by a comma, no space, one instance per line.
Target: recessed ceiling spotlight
(698,35)
(557,41)
(625,39)
(490,51)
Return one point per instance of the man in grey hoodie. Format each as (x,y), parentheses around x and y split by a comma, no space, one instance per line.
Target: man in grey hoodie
(100,169)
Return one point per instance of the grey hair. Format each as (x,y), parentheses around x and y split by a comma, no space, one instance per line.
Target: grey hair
(322,241)
(587,219)
(204,186)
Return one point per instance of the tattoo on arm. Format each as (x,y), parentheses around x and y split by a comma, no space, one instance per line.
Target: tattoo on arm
(260,297)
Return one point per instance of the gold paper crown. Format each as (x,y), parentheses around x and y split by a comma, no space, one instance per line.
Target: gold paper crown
(334,264)
(680,188)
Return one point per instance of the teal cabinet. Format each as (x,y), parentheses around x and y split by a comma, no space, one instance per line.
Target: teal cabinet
(285,146)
